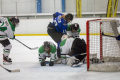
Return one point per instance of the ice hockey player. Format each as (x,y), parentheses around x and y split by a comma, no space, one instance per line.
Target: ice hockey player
(75,47)
(59,25)
(73,30)
(7,30)
(48,49)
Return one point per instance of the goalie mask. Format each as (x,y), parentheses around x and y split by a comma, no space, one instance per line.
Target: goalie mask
(74,27)
(15,21)
(46,46)
(64,37)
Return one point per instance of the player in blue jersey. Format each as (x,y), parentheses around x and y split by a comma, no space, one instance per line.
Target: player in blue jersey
(59,25)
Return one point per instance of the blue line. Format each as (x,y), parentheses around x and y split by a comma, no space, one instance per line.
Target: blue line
(63,5)
(39,10)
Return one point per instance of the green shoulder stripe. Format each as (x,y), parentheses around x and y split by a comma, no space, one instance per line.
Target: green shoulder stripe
(79,30)
(12,26)
(68,27)
(2,24)
(53,49)
(41,50)
(63,42)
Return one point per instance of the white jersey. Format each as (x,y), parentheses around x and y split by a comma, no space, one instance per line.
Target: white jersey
(6,29)
(75,34)
(52,53)
(65,45)
(72,34)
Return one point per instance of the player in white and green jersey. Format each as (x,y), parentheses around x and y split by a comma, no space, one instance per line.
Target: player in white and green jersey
(7,29)
(48,49)
(73,30)
(72,47)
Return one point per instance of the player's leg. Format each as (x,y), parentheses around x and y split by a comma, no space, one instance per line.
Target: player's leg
(53,33)
(6,51)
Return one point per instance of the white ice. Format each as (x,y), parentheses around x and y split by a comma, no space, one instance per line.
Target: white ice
(27,61)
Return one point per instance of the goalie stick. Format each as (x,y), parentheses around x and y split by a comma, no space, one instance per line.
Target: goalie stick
(108,35)
(73,55)
(69,56)
(16,70)
(26,46)
(117,38)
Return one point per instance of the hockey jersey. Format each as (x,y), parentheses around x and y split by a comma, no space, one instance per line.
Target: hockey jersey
(7,29)
(42,53)
(74,34)
(65,45)
(59,23)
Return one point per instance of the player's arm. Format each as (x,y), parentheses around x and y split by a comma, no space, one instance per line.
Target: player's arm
(10,33)
(2,19)
(56,15)
(53,53)
(41,53)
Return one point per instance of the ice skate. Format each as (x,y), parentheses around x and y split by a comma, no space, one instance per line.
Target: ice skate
(6,60)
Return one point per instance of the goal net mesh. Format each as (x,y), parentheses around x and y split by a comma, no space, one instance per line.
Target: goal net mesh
(103,52)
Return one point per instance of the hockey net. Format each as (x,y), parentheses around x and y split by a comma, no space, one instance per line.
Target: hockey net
(103,52)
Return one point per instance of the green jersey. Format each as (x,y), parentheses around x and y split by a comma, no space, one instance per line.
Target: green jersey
(52,53)
(7,29)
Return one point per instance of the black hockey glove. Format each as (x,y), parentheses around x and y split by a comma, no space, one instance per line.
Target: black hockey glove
(51,63)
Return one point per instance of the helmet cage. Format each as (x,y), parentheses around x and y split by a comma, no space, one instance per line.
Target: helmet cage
(46,45)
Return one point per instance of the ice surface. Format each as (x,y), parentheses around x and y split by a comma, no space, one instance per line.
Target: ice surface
(27,61)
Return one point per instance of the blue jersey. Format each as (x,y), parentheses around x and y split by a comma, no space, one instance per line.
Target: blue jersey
(59,23)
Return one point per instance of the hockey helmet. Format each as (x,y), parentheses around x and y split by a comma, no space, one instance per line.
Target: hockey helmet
(74,26)
(68,17)
(46,45)
(15,21)
(64,37)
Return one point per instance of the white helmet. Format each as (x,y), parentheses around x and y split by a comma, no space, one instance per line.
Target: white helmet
(64,37)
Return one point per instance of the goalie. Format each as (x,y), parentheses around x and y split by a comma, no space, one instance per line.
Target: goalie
(47,50)
(73,47)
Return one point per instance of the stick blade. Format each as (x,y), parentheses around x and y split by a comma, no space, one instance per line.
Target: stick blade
(16,70)
(34,48)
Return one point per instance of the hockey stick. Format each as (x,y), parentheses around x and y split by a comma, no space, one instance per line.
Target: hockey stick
(26,46)
(108,35)
(16,70)
(69,56)
(73,55)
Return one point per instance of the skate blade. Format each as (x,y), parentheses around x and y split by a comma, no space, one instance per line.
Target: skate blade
(7,63)
(77,65)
